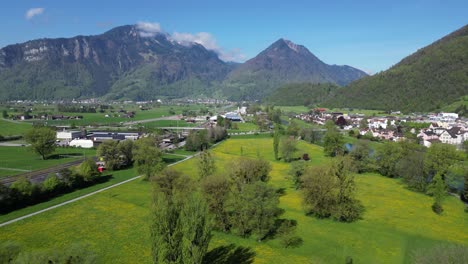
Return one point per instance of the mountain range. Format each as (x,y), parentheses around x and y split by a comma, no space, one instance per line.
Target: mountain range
(126,63)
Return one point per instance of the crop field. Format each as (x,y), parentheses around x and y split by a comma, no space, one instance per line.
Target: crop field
(9,128)
(17,160)
(396,220)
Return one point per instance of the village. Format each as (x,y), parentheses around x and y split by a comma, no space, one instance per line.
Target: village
(446,128)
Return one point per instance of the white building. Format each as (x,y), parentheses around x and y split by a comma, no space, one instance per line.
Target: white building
(68,135)
(82,143)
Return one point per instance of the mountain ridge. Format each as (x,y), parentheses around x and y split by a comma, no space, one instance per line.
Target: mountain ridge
(128,63)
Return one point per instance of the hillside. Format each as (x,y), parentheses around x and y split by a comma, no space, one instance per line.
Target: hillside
(432,77)
(121,63)
(306,94)
(281,63)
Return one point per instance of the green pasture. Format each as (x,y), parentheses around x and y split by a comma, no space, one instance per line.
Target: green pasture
(10,128)
(244,127)
(396,220)
(17,160)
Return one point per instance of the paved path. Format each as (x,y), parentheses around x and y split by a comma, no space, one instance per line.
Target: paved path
(14,169)
(84,196)
(174,117)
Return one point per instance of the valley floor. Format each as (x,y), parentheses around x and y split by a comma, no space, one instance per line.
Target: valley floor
(396,221)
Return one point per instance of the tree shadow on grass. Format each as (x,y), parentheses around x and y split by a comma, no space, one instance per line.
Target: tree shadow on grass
(64,155)
(230,254)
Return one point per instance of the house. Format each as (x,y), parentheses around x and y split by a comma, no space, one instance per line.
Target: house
(233,117)
(453,136)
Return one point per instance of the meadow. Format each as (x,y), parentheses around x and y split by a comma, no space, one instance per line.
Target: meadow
(9,128)
(396,220)
(17,160)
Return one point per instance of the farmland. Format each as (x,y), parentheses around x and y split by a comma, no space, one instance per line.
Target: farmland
(10,128)
(396,220)
(16,160)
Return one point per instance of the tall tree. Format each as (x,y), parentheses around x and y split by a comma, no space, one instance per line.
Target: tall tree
(216,189)
(388,157)
(437,189)
(147,157)
(42,140)
(333,142)
(180,227)
(109,152)
(206,164)
(288,148)
(276,141)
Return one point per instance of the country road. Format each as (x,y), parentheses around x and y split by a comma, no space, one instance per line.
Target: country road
(174,117)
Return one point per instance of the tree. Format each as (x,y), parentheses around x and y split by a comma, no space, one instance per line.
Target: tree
(296,170)
(287,234)
(42,140)
(293,129)
(276,141)
(411,169)
(388,157)
(4,114)
(197,140)
(363,123)
(288,148)
(319,191)
(329,191)
(180,226)
(51,183)
(206,164)
(360,154)
(88,170)
(125,149)
(216,189)
(254,209)
(109,152)
(333,140)
(246,171)
(147,157)
(439,158)
(437,189)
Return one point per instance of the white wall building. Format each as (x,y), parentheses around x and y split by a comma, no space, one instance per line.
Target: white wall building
(68,135)
(82,143)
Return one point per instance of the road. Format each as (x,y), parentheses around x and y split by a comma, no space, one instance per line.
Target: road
(84,196)
(174,117)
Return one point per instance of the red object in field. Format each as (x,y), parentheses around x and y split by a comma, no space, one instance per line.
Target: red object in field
(100,169)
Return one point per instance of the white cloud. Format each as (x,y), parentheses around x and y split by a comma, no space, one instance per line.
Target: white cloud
(32,12)
(148,29)
(209,42)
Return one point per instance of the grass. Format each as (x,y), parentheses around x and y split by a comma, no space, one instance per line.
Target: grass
(167,123)
(22,158)
(113,119)
(13,128)
(244,127)
(395,222)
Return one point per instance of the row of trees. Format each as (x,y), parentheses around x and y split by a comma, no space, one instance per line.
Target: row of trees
(239,201)
(430,170)
(23,192)
(201,139)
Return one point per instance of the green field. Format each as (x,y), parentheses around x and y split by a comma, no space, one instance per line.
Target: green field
(167,123)
(113,119)
(396,220)
(9,128)
(17,160)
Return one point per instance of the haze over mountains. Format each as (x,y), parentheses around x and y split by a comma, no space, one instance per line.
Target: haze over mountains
(125,63)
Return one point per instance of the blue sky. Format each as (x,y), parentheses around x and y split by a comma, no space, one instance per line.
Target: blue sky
(369,35)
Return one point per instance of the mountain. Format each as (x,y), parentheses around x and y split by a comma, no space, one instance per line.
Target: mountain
(306,94)
(432,77)
(129,63)
(281,63)
(121,63)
